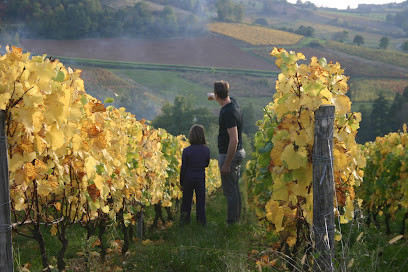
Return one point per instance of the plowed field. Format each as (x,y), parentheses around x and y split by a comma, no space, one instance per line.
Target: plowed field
(209,51)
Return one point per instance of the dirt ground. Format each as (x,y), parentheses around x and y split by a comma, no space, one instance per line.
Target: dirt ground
(208,51)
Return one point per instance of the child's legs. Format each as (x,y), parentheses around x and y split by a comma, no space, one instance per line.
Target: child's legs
(188,189)
(200,205)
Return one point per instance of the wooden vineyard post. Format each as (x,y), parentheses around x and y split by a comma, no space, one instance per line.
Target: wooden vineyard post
(6,250)
(323,189)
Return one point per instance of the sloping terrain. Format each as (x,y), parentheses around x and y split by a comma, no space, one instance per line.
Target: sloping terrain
(209,51)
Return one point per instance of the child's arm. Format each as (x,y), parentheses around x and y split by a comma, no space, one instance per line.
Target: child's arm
(208,157)
(182,170)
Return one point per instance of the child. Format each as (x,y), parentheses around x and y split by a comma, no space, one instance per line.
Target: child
(195,159)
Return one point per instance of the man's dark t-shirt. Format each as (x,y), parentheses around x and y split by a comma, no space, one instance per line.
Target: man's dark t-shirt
(230,116)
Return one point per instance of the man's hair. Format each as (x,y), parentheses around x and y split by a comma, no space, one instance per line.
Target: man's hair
(221,89)
(197,135)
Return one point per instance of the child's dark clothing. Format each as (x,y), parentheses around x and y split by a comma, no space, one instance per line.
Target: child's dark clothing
(192,178)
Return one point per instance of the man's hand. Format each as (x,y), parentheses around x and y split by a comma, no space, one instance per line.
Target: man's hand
(210,96)
(225,170)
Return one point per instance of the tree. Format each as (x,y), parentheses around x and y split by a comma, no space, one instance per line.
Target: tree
(358,39)
(238,13)
(140,19)
(384,42)
(307,31)
(399,110)
(261,21)
(379,117)
(229,11)
(400,19)
(405,46)
(341,36)
(364,132)
(223,9)
(168,21)
(177,118)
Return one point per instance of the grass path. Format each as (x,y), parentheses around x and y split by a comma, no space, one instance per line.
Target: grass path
(216,247)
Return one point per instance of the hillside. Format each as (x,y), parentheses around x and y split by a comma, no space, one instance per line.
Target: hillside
(145,73)
(129,3)
(368,20)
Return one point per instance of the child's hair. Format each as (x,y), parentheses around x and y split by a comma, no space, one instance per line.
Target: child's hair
(197,135)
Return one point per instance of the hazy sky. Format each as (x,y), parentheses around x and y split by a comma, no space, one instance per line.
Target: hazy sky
(343,4)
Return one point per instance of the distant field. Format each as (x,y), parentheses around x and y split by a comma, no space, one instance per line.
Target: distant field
(255,35)
(323,29)
(144,92)
(347,15)
(352,66)
(168,85)
(386,56)
(326,31)
(136,98)
(367,90)
(367,79)
(205,51)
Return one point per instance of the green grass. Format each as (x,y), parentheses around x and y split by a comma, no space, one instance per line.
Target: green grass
(218,247)
(373,252)
(215,247)
(27,251)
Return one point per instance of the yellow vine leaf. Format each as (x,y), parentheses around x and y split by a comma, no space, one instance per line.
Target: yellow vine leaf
(54,230)
(294,159)
(55,137)
(99,182)
(4,100)
(395,239)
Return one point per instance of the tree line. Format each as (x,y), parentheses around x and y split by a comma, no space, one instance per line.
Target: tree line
(177,118)
(75,19)
(400,19)
(71,19)
(383,117)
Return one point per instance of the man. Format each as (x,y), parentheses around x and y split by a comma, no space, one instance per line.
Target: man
(231,152)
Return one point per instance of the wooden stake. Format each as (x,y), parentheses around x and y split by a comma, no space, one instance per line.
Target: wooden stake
(323,189)
(6,249)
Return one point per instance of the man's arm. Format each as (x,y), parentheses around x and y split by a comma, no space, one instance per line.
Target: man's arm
(232,149)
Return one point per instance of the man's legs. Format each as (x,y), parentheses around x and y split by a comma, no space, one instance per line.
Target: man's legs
(230,186)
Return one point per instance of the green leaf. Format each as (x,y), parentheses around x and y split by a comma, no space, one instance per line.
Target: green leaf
(60,76)
(323,62)
(263,170)
(266,148)
(100,168)
(288,177)
(109,100)
(84,100)
(259,188)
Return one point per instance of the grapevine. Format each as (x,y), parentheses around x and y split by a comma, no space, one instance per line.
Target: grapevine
(385,186)
(279,179)
(74,160)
